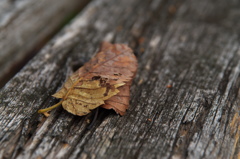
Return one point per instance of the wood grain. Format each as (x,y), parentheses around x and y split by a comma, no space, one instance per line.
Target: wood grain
(190,45)
(25,26)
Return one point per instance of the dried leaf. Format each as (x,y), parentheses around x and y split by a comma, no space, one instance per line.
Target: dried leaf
(103,81)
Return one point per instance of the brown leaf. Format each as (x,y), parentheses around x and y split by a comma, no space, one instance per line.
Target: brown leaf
(103,81)
(120,101)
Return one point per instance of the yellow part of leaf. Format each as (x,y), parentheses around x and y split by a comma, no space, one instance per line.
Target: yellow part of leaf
(103,92)
(89,84)
(88,89)
(61,93)
(79,99)
(68,84)
(74,107)
(119,85)
(86,100)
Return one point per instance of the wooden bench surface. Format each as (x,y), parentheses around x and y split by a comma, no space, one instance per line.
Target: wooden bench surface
(184,100)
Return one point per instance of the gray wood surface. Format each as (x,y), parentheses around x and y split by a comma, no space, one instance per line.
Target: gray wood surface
(25,26)
(185,97)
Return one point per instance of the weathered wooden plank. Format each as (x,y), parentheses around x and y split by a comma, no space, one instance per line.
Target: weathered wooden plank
(196,116)
(25,26)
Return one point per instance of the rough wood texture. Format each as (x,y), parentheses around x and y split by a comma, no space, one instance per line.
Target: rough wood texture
(185,98)
(26,25)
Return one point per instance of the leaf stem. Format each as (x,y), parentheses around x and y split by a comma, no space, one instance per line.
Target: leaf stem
(50,108)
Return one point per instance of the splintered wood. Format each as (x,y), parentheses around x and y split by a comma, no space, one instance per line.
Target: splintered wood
(103,81)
